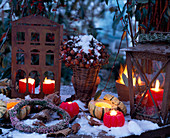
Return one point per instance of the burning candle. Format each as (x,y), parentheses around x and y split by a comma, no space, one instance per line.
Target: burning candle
(31,85)
(157,94)
(113,118)
(48,86)
(140,82)
(103,105)
(124,71)
(71,107)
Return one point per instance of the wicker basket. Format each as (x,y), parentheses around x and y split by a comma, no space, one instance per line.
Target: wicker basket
(84,82)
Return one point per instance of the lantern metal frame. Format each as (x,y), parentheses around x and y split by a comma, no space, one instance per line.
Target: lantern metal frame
(42,26)
(157,52)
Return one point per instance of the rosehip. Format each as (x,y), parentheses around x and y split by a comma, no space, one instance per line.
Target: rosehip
(87,66)
(72,62)
(81,65)
(64,47)
(72,52)
(65,51)
(68,49)
(79,55)
(67,64)
(76,61)
(69,58)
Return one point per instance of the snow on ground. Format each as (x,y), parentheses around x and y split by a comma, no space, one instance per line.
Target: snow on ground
(131,127)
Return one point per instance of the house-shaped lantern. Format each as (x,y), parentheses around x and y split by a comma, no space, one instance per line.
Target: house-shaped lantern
(36,68)
(153,103)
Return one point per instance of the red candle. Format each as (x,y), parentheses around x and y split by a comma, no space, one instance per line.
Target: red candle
(48,86)
(157,94)
(113,119)
(31,85)
(71,107)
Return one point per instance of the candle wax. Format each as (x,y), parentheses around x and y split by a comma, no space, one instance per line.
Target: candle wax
(31,85)
(48,86)
(157,96)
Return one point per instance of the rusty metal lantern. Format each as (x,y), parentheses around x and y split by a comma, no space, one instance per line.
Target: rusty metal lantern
(35,42)
(139,107)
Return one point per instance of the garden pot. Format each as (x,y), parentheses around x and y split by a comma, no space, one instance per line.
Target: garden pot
(84,82)
(123,91)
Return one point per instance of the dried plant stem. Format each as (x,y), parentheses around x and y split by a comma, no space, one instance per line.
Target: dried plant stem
(166,5)
(84,113)
(114,62)
(130,25)
(5,36)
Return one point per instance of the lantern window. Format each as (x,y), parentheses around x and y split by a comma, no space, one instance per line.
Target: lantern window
(50,58)
(20,57)
(20,36)
(35,57)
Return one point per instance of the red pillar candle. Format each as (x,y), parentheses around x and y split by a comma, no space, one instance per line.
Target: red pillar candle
(48,86)
(31,85)
(71,107)
(113,118)
(157,94)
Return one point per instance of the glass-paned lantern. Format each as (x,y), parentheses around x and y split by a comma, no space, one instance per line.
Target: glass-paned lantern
(36,67)
(150,99)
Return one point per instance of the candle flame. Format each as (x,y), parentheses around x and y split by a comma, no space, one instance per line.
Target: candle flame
(69,102)
(48,81)
(113,113)
(146,95)
(30,80)
(157,85)
(124,70)
(134,81)
(121,71)
(139,80)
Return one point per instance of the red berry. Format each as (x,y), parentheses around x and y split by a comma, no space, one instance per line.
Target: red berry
(69,58)
(87,66)
(81,65)
(76,61)
(72,52)
(68,49)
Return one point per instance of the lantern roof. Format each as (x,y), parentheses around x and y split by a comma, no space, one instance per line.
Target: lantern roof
(36,20)
(160,48)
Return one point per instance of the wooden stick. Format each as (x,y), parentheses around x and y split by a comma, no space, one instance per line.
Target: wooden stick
(166,5)
(84,114)
(130,83)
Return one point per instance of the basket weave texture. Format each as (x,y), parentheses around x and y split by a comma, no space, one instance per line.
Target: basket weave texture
(84,82)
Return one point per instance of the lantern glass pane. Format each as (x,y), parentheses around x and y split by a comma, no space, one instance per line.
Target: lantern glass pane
(20,58)
(146,100)
(34,59)
(49,60)
(49,37)
(35,37)
(20,36)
